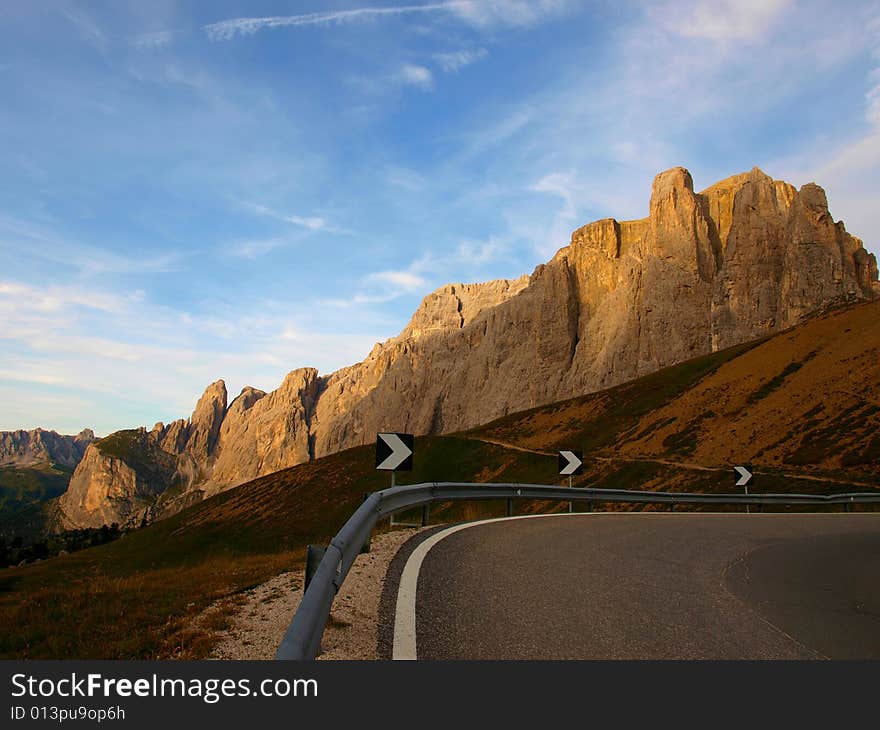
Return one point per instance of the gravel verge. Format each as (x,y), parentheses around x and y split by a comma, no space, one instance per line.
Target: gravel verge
(256,620)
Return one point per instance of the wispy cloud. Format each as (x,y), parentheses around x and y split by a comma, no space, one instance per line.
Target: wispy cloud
(479,253)
(562,185)
(405,178)
(36,241)
(311,223)
(405,281)
(254,248)
(57,298)
(384,286)
(87,27)
(419,76)
(23,376)
(478,13)
(454,61)
(495,133)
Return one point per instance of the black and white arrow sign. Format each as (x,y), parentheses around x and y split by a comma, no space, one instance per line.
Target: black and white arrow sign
(744,475)
(571,462)
(394,451)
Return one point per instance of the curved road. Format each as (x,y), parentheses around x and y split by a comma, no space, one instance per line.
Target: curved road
(654,586)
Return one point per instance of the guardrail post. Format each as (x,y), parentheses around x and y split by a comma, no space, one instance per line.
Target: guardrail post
(426,514)
(509,507)
(314,555)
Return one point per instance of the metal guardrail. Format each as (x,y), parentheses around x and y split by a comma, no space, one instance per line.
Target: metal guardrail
(303,637)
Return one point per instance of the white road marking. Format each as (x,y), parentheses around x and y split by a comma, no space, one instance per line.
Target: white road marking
(404,646)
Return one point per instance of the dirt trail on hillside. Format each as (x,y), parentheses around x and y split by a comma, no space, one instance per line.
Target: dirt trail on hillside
(677,464)
(506,445)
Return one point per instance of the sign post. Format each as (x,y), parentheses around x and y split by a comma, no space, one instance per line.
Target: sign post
(570,463)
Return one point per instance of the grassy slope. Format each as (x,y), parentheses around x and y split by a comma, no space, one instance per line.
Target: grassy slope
(23,494)
(21,486)
(134,597)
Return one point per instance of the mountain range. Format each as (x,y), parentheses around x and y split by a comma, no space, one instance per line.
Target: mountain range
(744,258)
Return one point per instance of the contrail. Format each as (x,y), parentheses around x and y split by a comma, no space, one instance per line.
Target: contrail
(228,29)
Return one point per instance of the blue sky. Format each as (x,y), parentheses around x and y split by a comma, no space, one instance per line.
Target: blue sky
(194,191)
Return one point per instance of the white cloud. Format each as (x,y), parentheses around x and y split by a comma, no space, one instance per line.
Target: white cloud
(454,61)
(491,13)
(380,287)
(403,281)
(418,76)
(721,20)
(480,253)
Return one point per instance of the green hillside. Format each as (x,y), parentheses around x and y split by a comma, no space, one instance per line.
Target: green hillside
(23,492)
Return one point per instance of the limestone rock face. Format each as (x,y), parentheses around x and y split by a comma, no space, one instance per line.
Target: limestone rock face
(29,448)
(746,257)
(204,426)
(264,433)
(117,483)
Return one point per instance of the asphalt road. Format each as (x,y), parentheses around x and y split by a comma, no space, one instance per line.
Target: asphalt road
(654,586)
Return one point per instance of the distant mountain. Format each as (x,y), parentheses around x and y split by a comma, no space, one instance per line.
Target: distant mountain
(33,448)
(35,466)
(745,258)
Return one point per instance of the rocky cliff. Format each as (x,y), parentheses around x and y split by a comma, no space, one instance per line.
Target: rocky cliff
(746,257)
(30,448)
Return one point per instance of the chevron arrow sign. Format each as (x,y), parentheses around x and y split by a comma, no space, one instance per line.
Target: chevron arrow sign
(571,463)
(394,451)
(744,475)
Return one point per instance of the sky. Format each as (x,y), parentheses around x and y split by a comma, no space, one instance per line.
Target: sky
(227,189)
